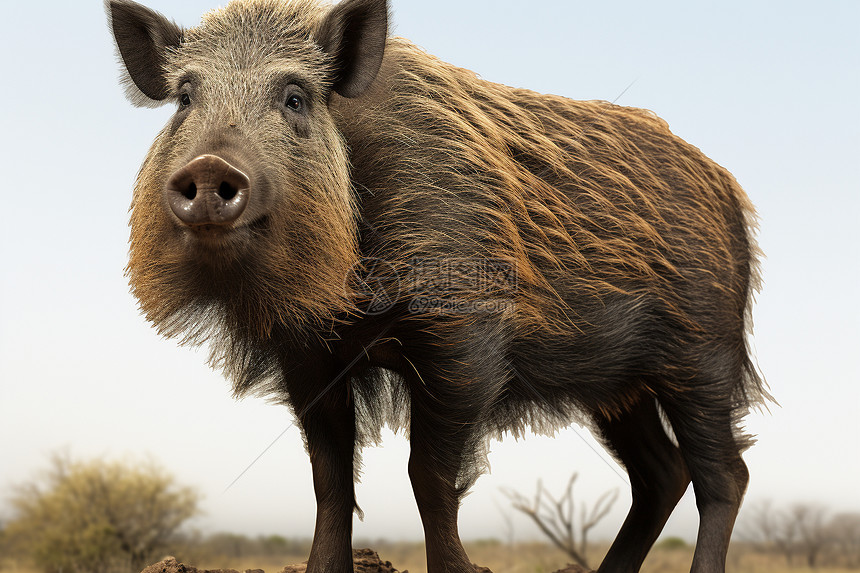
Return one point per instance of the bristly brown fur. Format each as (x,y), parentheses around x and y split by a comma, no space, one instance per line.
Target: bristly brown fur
(591,200)
(634,256)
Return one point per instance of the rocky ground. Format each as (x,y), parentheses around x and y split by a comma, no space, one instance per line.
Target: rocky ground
(365,561)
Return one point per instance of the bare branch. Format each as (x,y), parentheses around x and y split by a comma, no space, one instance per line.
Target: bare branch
(555,517)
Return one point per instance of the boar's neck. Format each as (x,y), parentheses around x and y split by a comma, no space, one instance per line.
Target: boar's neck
(368,124)
(417,140)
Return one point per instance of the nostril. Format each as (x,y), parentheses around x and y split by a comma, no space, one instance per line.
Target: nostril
(227,191)
(190,192)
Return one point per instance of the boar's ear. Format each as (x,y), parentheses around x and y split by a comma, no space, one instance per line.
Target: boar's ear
(353,33)
(142,37)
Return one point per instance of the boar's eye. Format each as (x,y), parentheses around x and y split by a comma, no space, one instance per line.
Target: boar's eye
(185,95)
(295,103)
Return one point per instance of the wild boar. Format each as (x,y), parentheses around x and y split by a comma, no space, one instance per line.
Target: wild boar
(375,236)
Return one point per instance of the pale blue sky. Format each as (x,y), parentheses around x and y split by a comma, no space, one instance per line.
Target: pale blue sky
(769,90)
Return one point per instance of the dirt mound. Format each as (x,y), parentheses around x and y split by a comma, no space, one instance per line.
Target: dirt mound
(574,569)
(364,560)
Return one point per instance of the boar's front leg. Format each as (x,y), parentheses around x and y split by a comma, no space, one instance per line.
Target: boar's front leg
(450,396)
(434,482)
(328,423)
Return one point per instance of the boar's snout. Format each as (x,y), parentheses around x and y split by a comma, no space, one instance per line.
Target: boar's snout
(208,191)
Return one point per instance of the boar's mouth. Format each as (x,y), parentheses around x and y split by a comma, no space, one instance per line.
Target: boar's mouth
(221,237)
(221,248)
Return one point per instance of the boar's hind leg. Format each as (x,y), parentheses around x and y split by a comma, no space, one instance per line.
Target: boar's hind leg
(329,428)
(444,435)
(658,478)
(703,419)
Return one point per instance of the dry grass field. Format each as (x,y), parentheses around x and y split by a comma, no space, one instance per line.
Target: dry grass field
(499,557)
(538,558)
